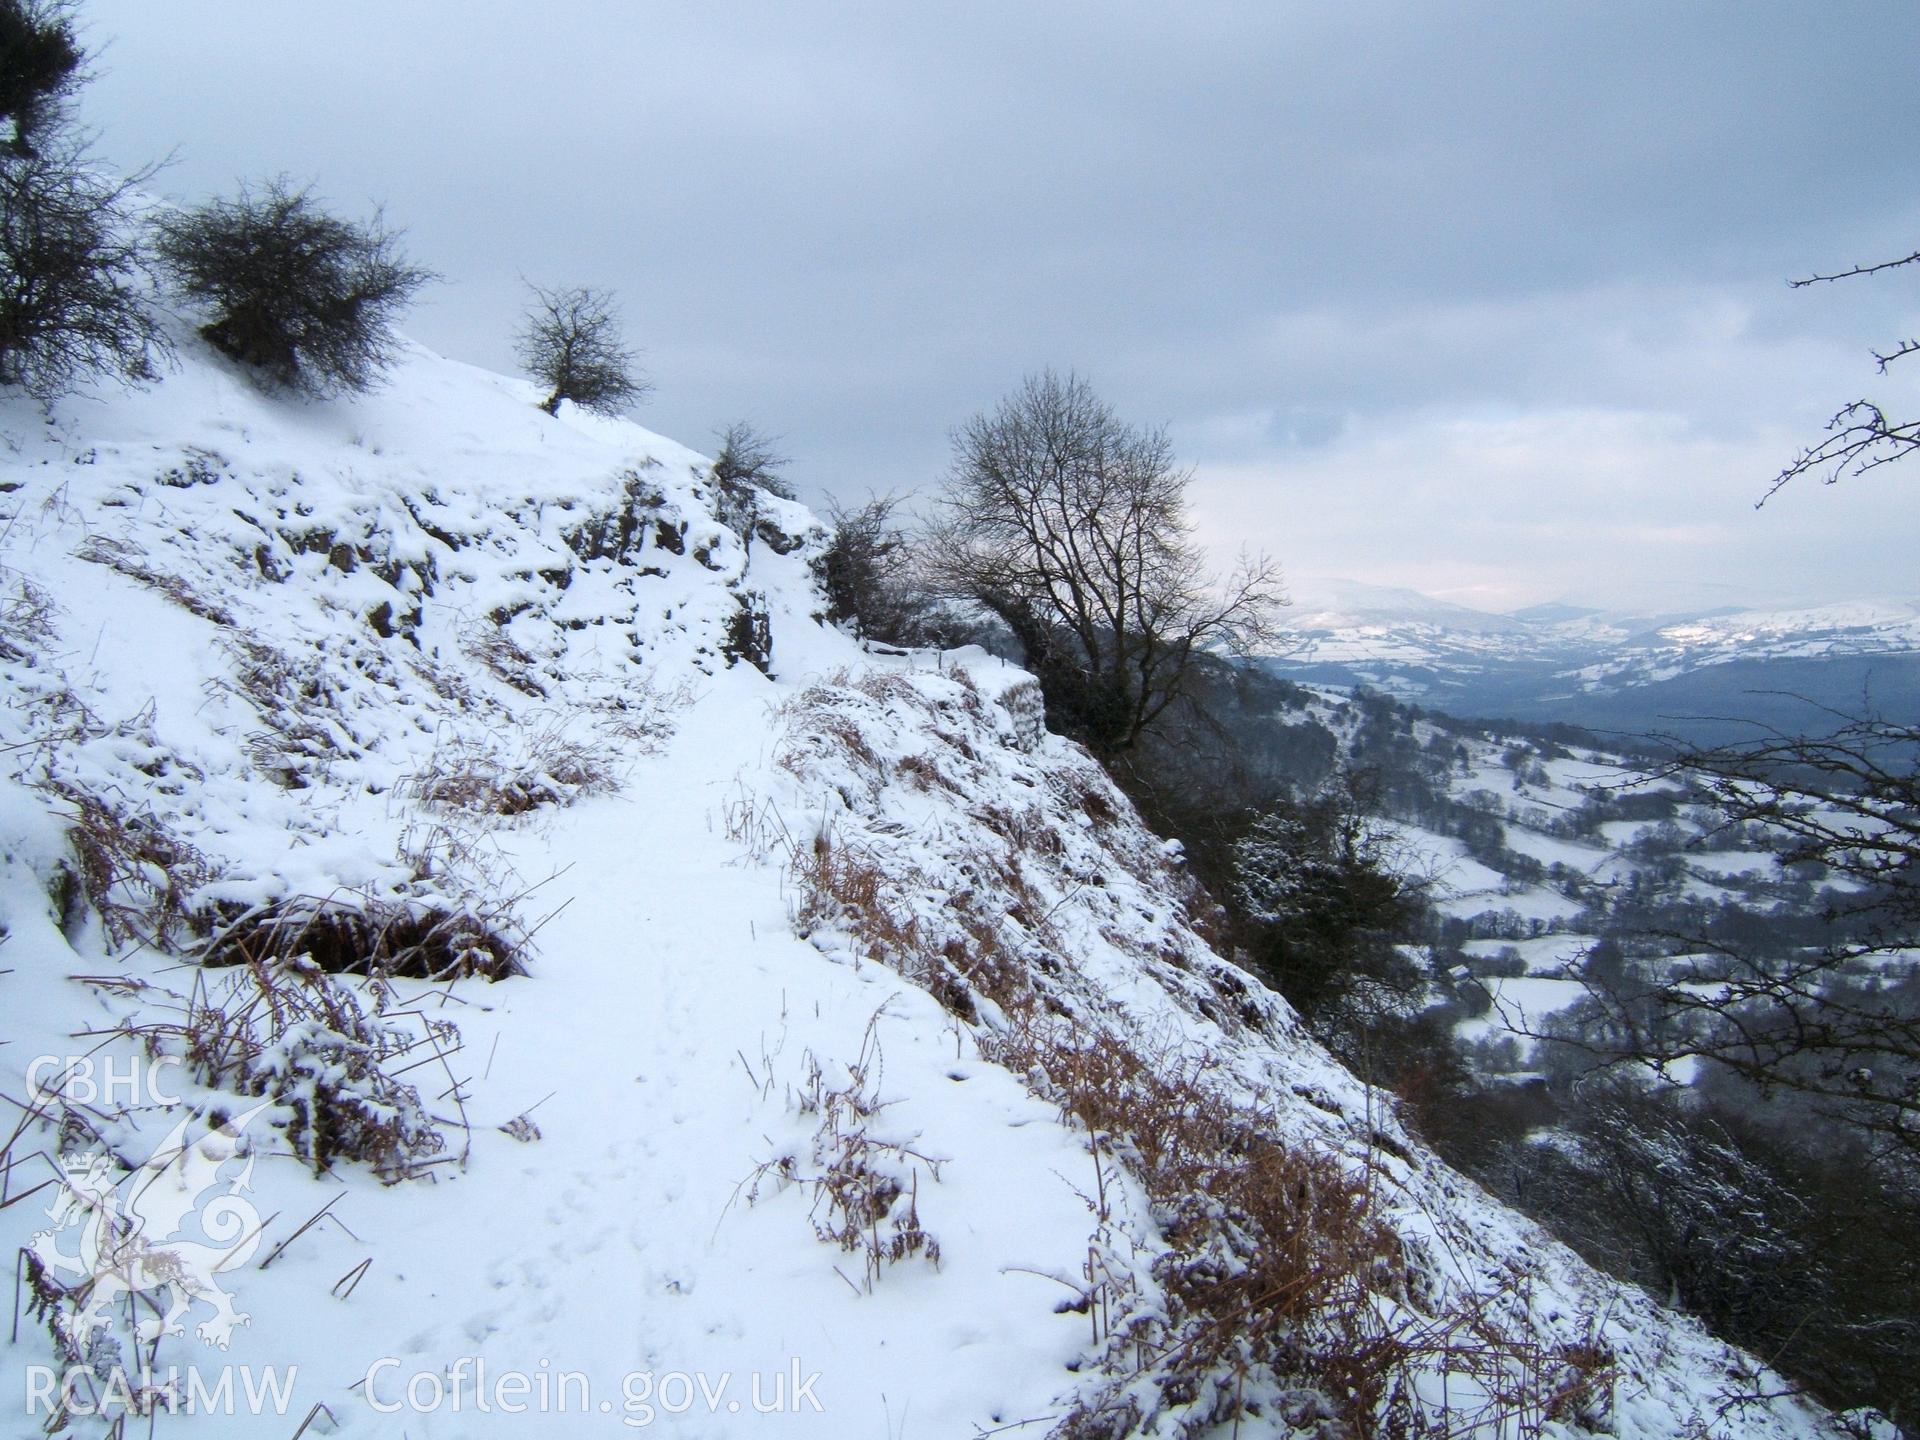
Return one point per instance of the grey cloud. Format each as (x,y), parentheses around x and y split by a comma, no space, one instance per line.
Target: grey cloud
(860,222)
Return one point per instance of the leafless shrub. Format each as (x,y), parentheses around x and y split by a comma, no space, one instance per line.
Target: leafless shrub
(126,559)
(303,298)
(866,571)
(71,303)
(865,1189)
(285,1029)
(569,341)
(137,875)
(26,621)
(748,456)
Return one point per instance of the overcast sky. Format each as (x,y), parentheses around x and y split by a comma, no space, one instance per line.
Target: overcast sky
(1484,299)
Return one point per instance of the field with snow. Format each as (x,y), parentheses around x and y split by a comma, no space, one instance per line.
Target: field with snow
(1531,852)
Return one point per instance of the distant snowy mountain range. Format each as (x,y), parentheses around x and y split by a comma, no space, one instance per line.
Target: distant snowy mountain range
(1684,672)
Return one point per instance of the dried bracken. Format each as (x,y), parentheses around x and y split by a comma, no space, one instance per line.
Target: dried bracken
(864,1188)
(430,938)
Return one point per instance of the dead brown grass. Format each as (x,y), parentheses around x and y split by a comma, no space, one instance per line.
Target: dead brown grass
(865,1190)
(286,1030)
(644,714)
(446,682)
(847,887)
(1280,1277)
(367,935)
(922,772)
(126,559)
(551,768)
(509,662)
(138,876)
(26,621)
(302,732)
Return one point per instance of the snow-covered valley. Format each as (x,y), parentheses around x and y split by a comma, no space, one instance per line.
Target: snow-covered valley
(1696,673)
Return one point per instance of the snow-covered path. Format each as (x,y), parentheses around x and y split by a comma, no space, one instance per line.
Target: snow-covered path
(621,1241)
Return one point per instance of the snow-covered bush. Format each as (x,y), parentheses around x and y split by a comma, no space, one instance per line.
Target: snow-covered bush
(864,1186)
(293,1034)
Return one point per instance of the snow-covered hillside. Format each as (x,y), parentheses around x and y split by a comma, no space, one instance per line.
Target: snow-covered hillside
(483,948)
(1701,675)
(1343,621)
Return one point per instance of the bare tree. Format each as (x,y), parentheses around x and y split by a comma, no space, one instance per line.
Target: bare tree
(40,65)
(1861,437)
(71,302)
(304,298)
(569,340)
(863,569)
(746,471)
(1071,527)
(1836,1024)
(749,456)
